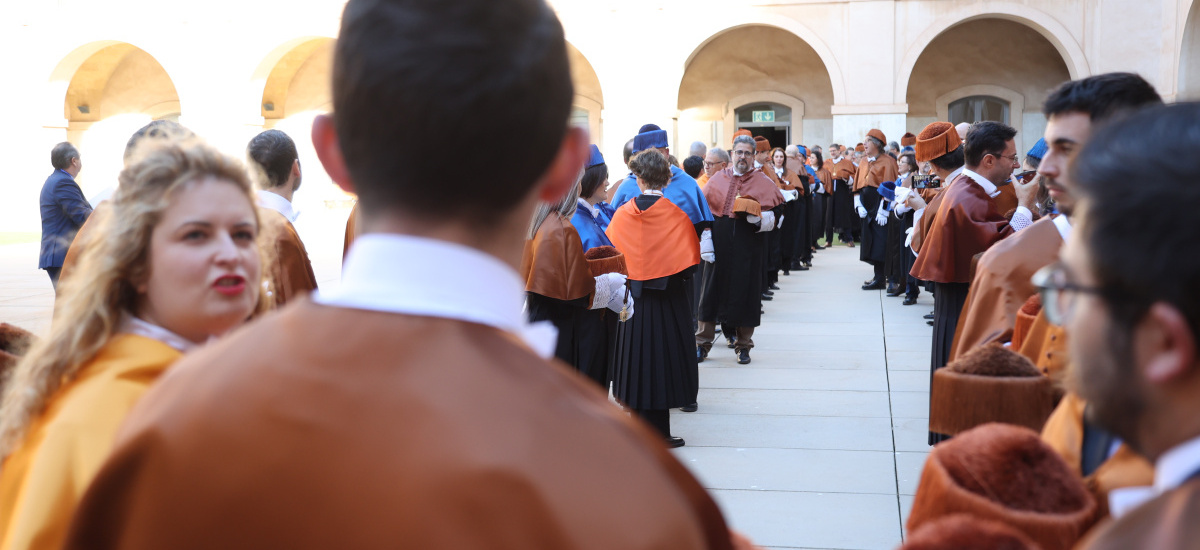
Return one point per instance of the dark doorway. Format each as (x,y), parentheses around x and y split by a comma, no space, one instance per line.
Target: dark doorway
(777,135)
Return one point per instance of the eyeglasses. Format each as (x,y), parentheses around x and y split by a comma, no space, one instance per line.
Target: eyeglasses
(1058,293)
(743,153)
(706,163)
(1013,157)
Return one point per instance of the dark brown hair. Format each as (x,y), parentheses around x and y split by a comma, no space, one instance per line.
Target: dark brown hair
(652,168)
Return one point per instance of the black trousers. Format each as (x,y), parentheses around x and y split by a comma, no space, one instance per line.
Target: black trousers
(948,300)
(659,418)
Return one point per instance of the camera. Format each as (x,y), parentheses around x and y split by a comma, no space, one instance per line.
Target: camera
(926,181)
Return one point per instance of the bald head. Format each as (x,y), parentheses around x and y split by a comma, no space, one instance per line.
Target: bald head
(962,128)
(792,151)
(698,149)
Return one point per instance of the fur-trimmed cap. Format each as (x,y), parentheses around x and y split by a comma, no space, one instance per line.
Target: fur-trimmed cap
(937,139)
(989,384)
(761,144)
(958,531)
(605,259)
(859,148)
(742,132)
(877,134)
(747,205)
(1006,474)
(908,139)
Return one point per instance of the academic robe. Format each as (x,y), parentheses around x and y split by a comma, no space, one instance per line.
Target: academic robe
(559,289)
(1064,432)
(316,427)
(967,223)
(842,213)
(655,366)
(702,180)
(351,230)
(83,237)
(682,191)
(792,233)
(42,481)
(1002,285)
(290,273)
(866,186)
(1045,344)
(591,228)
(1166,522)
(732,292)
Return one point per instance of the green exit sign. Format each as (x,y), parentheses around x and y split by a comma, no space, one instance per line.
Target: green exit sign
(764,116)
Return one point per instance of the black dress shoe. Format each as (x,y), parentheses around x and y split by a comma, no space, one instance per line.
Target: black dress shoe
(773,286)
(767,297)
(690,408)
(928,316)
(731,342)
(768,293)
(930,323)
(673,442)
(743,357)
(909,300)
(894,290)
(802,268)
(701,354)
(787,271)
(874,285)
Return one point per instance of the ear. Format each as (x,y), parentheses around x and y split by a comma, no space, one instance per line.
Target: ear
(1165,343)
(329,151)
(565,167)
(296,168)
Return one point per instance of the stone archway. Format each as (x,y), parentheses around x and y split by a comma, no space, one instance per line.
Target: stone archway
(1189,58)
(749,64)
(104,92)
(958,63)
(295,79)
(588,105)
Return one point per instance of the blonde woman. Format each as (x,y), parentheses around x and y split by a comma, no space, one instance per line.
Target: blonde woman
(179,265)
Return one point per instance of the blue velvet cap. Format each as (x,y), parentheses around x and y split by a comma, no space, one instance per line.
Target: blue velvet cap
(1039,150)
(887,190)
(647,128)
(595,158)
(650,139)
(803,150)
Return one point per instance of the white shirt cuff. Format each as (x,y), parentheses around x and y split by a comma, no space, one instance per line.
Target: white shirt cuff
(1021,219)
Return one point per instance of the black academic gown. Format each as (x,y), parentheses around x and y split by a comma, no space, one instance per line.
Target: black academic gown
(874,236)
(843,216)
(585,336)
(733,291)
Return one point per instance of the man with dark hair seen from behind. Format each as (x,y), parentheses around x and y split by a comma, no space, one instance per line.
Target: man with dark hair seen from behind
(317,427)
(291,274)
(63,209)
(1132,308)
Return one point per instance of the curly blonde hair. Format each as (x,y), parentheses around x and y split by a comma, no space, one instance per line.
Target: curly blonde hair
(103,289)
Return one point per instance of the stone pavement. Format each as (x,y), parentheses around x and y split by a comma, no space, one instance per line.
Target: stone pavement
(818,443)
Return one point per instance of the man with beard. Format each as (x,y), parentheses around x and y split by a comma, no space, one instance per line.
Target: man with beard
(875,169)
(732,290)
(1129,299)
(1001,284)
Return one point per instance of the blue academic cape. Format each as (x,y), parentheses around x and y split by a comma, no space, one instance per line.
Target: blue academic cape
(590,229)
(682,191)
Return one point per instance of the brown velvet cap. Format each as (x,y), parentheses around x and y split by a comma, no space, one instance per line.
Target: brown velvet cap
(877,134)
(908,139)
(959,531)
(860,148)
(605,259)
(990,384)
(1006,474)
(742,132)
(937,139)
(761,145)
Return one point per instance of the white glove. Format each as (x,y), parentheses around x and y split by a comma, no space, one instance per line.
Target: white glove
(862,210)
(707,253)
(768,222)
(908,239)
(753,219)
(812,188)
(881,216)
(610,291)
(821,188)
(780,222)
(790,196)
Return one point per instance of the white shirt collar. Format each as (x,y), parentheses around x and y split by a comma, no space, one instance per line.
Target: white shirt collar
(1176,465)
(427,277)
(1064,226)
(870,159)
(595,210)
(655,192)
(779,170)
(986,184)
(133,325)
(757,164)
(267,199)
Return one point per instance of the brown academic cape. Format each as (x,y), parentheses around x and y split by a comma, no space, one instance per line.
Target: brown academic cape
(789,182)
(659,241)
(827,180)
(1063,432)
(871,174)
(1168,522)
(842,170)
(553,264)
(1002,285)
(351,230)
(317,427)
(1046,345)
(1006,201)
(933,201)
(967,224)
(291,274)
(724,186)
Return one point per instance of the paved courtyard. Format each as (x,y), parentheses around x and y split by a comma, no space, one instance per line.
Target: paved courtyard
(818,443)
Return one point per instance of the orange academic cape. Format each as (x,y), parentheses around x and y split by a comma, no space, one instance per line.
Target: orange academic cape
(1063,432)
(871,174)
(842,170)
(967,224)
(1046,345)
(553,264)
(291,273)
(826,180)
(659,241)
(316,427)
(789,182)
(724,186)
(1002,285)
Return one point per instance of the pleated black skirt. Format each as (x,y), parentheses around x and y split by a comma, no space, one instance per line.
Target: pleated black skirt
(948,300)
(655,366)
(585,336)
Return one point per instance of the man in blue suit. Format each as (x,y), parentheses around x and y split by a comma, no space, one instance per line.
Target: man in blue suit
(63,207)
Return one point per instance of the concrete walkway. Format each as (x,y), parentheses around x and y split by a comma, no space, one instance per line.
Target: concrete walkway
(820,440)
(818,443)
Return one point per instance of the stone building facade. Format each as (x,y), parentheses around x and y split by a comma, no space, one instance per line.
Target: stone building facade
(810,72)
